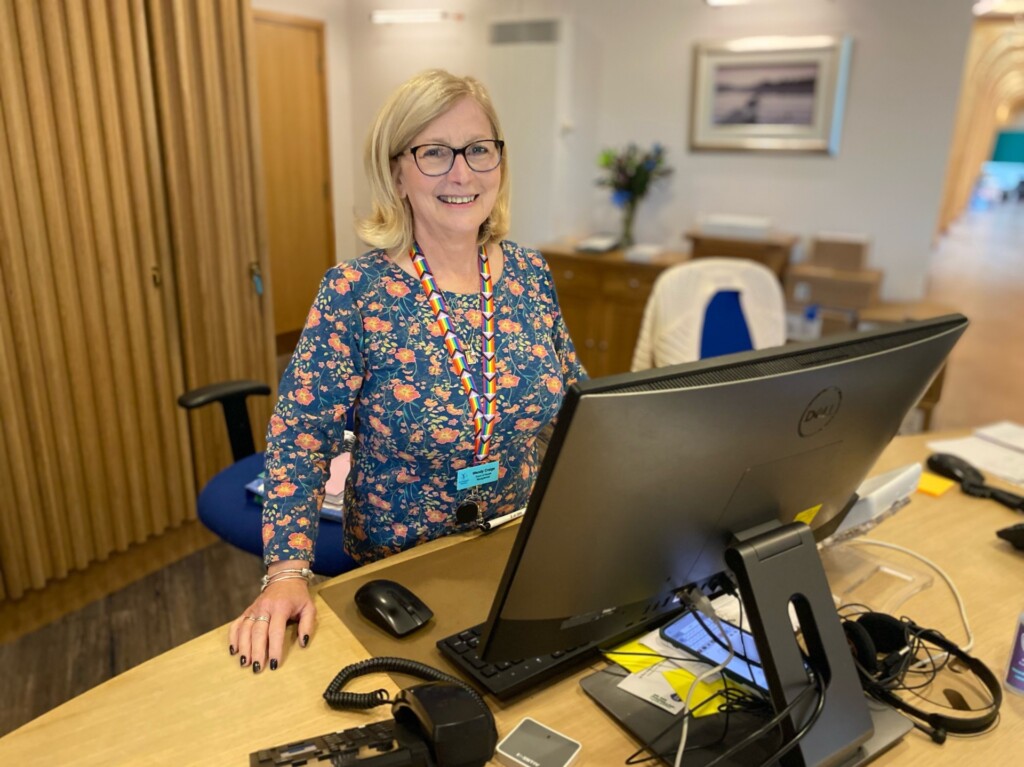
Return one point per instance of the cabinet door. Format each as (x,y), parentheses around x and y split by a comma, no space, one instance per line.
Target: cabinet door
(625,294)
(578,284)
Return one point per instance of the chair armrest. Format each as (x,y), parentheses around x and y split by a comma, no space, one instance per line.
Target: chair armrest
(219,392)
(231,395)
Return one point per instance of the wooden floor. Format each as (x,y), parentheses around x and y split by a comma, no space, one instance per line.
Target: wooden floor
(977,269)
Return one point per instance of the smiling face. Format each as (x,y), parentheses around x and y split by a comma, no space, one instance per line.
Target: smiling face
(454,205)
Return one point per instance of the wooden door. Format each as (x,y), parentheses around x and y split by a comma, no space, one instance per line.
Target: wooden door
(296,164)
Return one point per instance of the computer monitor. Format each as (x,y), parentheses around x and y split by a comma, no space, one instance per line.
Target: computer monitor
(649,476)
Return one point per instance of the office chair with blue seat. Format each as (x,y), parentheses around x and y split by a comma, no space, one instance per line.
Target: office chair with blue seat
(708,307)
(230,511)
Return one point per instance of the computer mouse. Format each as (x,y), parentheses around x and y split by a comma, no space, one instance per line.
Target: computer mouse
(392,607)
(955,468)
(1014,534)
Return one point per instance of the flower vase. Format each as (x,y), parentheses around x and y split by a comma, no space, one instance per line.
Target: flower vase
(628,213)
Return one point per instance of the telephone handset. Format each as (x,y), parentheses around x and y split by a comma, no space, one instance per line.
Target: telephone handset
(441,723)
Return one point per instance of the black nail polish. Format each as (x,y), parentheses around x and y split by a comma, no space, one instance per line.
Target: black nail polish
(256,667)
(273,664)
(241,660)
(231,649)
(305,640)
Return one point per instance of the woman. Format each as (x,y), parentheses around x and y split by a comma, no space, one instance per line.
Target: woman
(445,339)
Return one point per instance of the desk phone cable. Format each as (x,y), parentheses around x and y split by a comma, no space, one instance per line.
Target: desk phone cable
(942,574)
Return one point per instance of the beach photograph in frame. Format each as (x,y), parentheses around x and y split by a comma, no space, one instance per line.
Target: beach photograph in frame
(770,94)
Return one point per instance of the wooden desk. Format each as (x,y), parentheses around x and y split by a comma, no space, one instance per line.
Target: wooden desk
(194,705)
(772,250)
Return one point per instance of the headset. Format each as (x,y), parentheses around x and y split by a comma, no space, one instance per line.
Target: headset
(885,647)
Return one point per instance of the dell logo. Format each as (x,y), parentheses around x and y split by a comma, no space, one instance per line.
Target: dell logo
(821,411)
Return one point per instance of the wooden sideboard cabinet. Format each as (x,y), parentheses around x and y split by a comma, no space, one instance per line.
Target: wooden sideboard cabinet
(773,250)
(603,296)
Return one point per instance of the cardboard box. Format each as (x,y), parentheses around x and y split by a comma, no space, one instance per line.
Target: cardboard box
(832,288)
(840,251)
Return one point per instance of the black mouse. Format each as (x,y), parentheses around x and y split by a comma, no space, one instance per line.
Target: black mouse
(955,468)
(392,606)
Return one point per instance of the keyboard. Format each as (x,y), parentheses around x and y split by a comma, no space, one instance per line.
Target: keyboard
(380,744)
(508,678)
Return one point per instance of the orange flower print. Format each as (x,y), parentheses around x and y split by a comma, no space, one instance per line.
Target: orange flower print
(352,275)
(300,541)
(335,343)
(508,381)
(434,515)
(458,463)
(341,286)
(434,329)
(515,288)
(405,392)
(354,383)
(474,318)
(554,385)
(303,396)
(314,318)
(277,424)
(452,410)
(445,435)
(405,478)
(539,350)
(442,393)
(285,490)
(268,533)
(378,426)
(397,289)
(508,326)
(527,424)
(380,503)
(400,530)
(376,324)
(307,441)
(405,355)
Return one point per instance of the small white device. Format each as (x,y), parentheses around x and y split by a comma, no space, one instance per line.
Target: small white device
(532,744)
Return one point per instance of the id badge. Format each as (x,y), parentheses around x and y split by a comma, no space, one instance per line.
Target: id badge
(474,476)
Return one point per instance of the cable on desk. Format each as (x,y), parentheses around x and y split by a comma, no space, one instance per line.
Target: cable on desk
(942,573)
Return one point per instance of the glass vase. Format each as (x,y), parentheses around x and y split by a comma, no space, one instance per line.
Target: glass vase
(628,214)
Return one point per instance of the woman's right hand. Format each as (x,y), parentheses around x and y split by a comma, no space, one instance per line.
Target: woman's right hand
(258,634)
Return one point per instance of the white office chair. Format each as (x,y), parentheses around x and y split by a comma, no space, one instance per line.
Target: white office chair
(707,307)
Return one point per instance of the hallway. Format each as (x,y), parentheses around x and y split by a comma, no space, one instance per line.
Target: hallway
(978,270)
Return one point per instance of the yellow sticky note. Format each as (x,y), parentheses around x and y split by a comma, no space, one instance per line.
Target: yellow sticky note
(933,484)
(681,679)
(807,515)
(645,657)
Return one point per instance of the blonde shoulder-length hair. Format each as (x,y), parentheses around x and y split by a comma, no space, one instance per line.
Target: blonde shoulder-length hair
(407,112)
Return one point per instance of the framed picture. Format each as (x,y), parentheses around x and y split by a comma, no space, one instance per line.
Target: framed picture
(770,94)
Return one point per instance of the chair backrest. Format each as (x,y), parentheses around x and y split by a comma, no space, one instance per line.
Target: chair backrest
(710,306)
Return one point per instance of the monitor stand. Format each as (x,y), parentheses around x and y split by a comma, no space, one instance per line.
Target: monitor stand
(774,567)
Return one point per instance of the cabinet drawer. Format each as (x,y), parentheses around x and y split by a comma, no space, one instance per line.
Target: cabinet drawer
(629,283)
(573,276)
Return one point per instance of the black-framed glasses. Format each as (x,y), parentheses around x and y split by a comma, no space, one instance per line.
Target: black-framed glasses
(438,159)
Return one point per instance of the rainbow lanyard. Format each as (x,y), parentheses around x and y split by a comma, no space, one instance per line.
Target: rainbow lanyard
(483,417)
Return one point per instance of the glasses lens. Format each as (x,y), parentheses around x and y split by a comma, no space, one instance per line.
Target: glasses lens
(434,159)
(483,155)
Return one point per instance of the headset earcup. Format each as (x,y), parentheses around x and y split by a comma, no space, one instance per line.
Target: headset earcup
(862,647)
(888,634)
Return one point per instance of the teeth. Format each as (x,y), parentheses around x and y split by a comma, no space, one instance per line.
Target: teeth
(457,200)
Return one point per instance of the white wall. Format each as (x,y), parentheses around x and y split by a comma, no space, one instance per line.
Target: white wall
(634,62)
(339,98)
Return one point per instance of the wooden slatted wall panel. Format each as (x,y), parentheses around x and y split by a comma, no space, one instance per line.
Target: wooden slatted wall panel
(95,450)
(129,226)
(204,94)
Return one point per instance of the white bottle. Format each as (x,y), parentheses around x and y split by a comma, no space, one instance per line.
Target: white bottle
(1014,681)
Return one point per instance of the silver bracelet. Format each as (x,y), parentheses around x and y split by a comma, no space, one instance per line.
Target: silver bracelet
(294,572)
(282,578)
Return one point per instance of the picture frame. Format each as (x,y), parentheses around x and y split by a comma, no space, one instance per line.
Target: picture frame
(771,94)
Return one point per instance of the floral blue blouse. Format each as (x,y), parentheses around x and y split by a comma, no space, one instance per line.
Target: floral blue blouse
(371,343)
